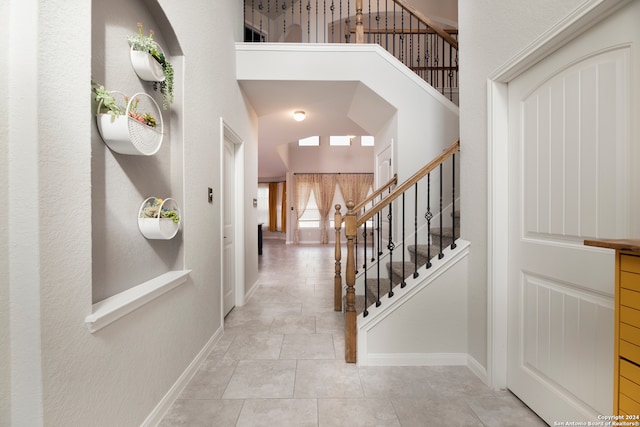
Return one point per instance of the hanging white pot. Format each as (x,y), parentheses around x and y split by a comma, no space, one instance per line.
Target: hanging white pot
(146,66)
(152,221)
(129,133)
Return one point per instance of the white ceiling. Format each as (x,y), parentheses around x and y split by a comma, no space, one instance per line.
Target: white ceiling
(330,107)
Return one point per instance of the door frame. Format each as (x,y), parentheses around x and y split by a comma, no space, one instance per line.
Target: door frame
(227,133)
(580,20)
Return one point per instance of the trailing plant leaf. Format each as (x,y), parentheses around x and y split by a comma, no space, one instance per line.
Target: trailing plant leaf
(146,43)
(108,101)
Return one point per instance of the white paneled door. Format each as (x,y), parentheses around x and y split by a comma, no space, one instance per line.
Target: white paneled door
(570,178)
(229,261)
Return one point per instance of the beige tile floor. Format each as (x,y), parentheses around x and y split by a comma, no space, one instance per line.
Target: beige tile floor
(281,363)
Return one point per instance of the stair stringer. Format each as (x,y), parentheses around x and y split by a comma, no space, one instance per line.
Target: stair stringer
(424,323)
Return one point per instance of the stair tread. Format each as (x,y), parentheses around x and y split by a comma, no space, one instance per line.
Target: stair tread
(446,231)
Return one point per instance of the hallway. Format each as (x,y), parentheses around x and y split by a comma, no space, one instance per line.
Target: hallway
(281,363)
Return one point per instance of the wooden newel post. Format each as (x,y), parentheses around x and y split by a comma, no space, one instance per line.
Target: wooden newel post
(359,25)
(350,330)
(337,280)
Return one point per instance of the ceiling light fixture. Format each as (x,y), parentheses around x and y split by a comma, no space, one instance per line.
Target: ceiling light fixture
(299,115)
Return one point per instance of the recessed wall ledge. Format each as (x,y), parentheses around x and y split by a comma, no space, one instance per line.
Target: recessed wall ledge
(111,309)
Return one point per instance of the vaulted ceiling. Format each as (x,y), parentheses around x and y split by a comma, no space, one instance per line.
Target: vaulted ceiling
(332,108)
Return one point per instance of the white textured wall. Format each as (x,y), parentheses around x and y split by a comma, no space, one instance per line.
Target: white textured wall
(5,330)
(439,308)
(329,159)
(490,34)
(442,11)
(116,376)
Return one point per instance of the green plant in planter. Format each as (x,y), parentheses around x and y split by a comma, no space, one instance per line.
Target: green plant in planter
(108,101)
(146,43)
(109,106)
(152,208)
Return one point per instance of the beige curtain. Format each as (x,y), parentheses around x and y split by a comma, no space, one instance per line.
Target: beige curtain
(273,206)
(303,185)
(324,188)
(355,186)
(283,209)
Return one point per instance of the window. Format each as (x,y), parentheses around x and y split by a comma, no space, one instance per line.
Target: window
(340,140)
(367,141)
(311,216)
(312,141)
(263,203)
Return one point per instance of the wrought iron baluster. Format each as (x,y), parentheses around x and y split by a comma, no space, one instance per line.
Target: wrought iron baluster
(453,200)
(260,7)
(308,20)
(332,8)
(373,237)
(365,313)
(429,217)
(379,234)
(391,246)
(402,36)
(324,20)
(415,231)
(441,254)
(369,27)
(378,265)
(450,73)
(378,22)
(411,42)
(404,245)
(418,57)
(347,29)
(340,20)
(386,25)
(284,20)
(269,20)
(393,48)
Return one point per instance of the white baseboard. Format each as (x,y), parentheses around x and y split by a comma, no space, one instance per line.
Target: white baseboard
(250,292)
(478,369)
(154,418)
(417,359)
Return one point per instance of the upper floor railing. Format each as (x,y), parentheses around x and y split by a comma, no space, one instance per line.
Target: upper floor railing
(428,49)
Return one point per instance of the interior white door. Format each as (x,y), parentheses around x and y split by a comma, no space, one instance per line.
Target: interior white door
(384,172)
(569,179)
(229,261)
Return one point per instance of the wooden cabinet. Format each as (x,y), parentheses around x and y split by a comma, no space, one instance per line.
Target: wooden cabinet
(626,369)
(626,398)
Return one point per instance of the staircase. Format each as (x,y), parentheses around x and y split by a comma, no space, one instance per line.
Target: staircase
(398,271)
(417,193)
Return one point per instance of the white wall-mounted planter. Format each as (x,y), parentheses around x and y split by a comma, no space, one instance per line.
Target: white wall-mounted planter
(146,66)
(157,227)
(126,135)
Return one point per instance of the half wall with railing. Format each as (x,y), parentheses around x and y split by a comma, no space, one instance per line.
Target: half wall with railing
(428,49)
(414,223)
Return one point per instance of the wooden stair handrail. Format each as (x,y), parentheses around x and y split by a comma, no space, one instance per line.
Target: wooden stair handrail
(428,21)
(383,187)
(452,149)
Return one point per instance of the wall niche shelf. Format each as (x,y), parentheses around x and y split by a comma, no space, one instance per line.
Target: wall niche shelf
(113,308)
(139,131)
